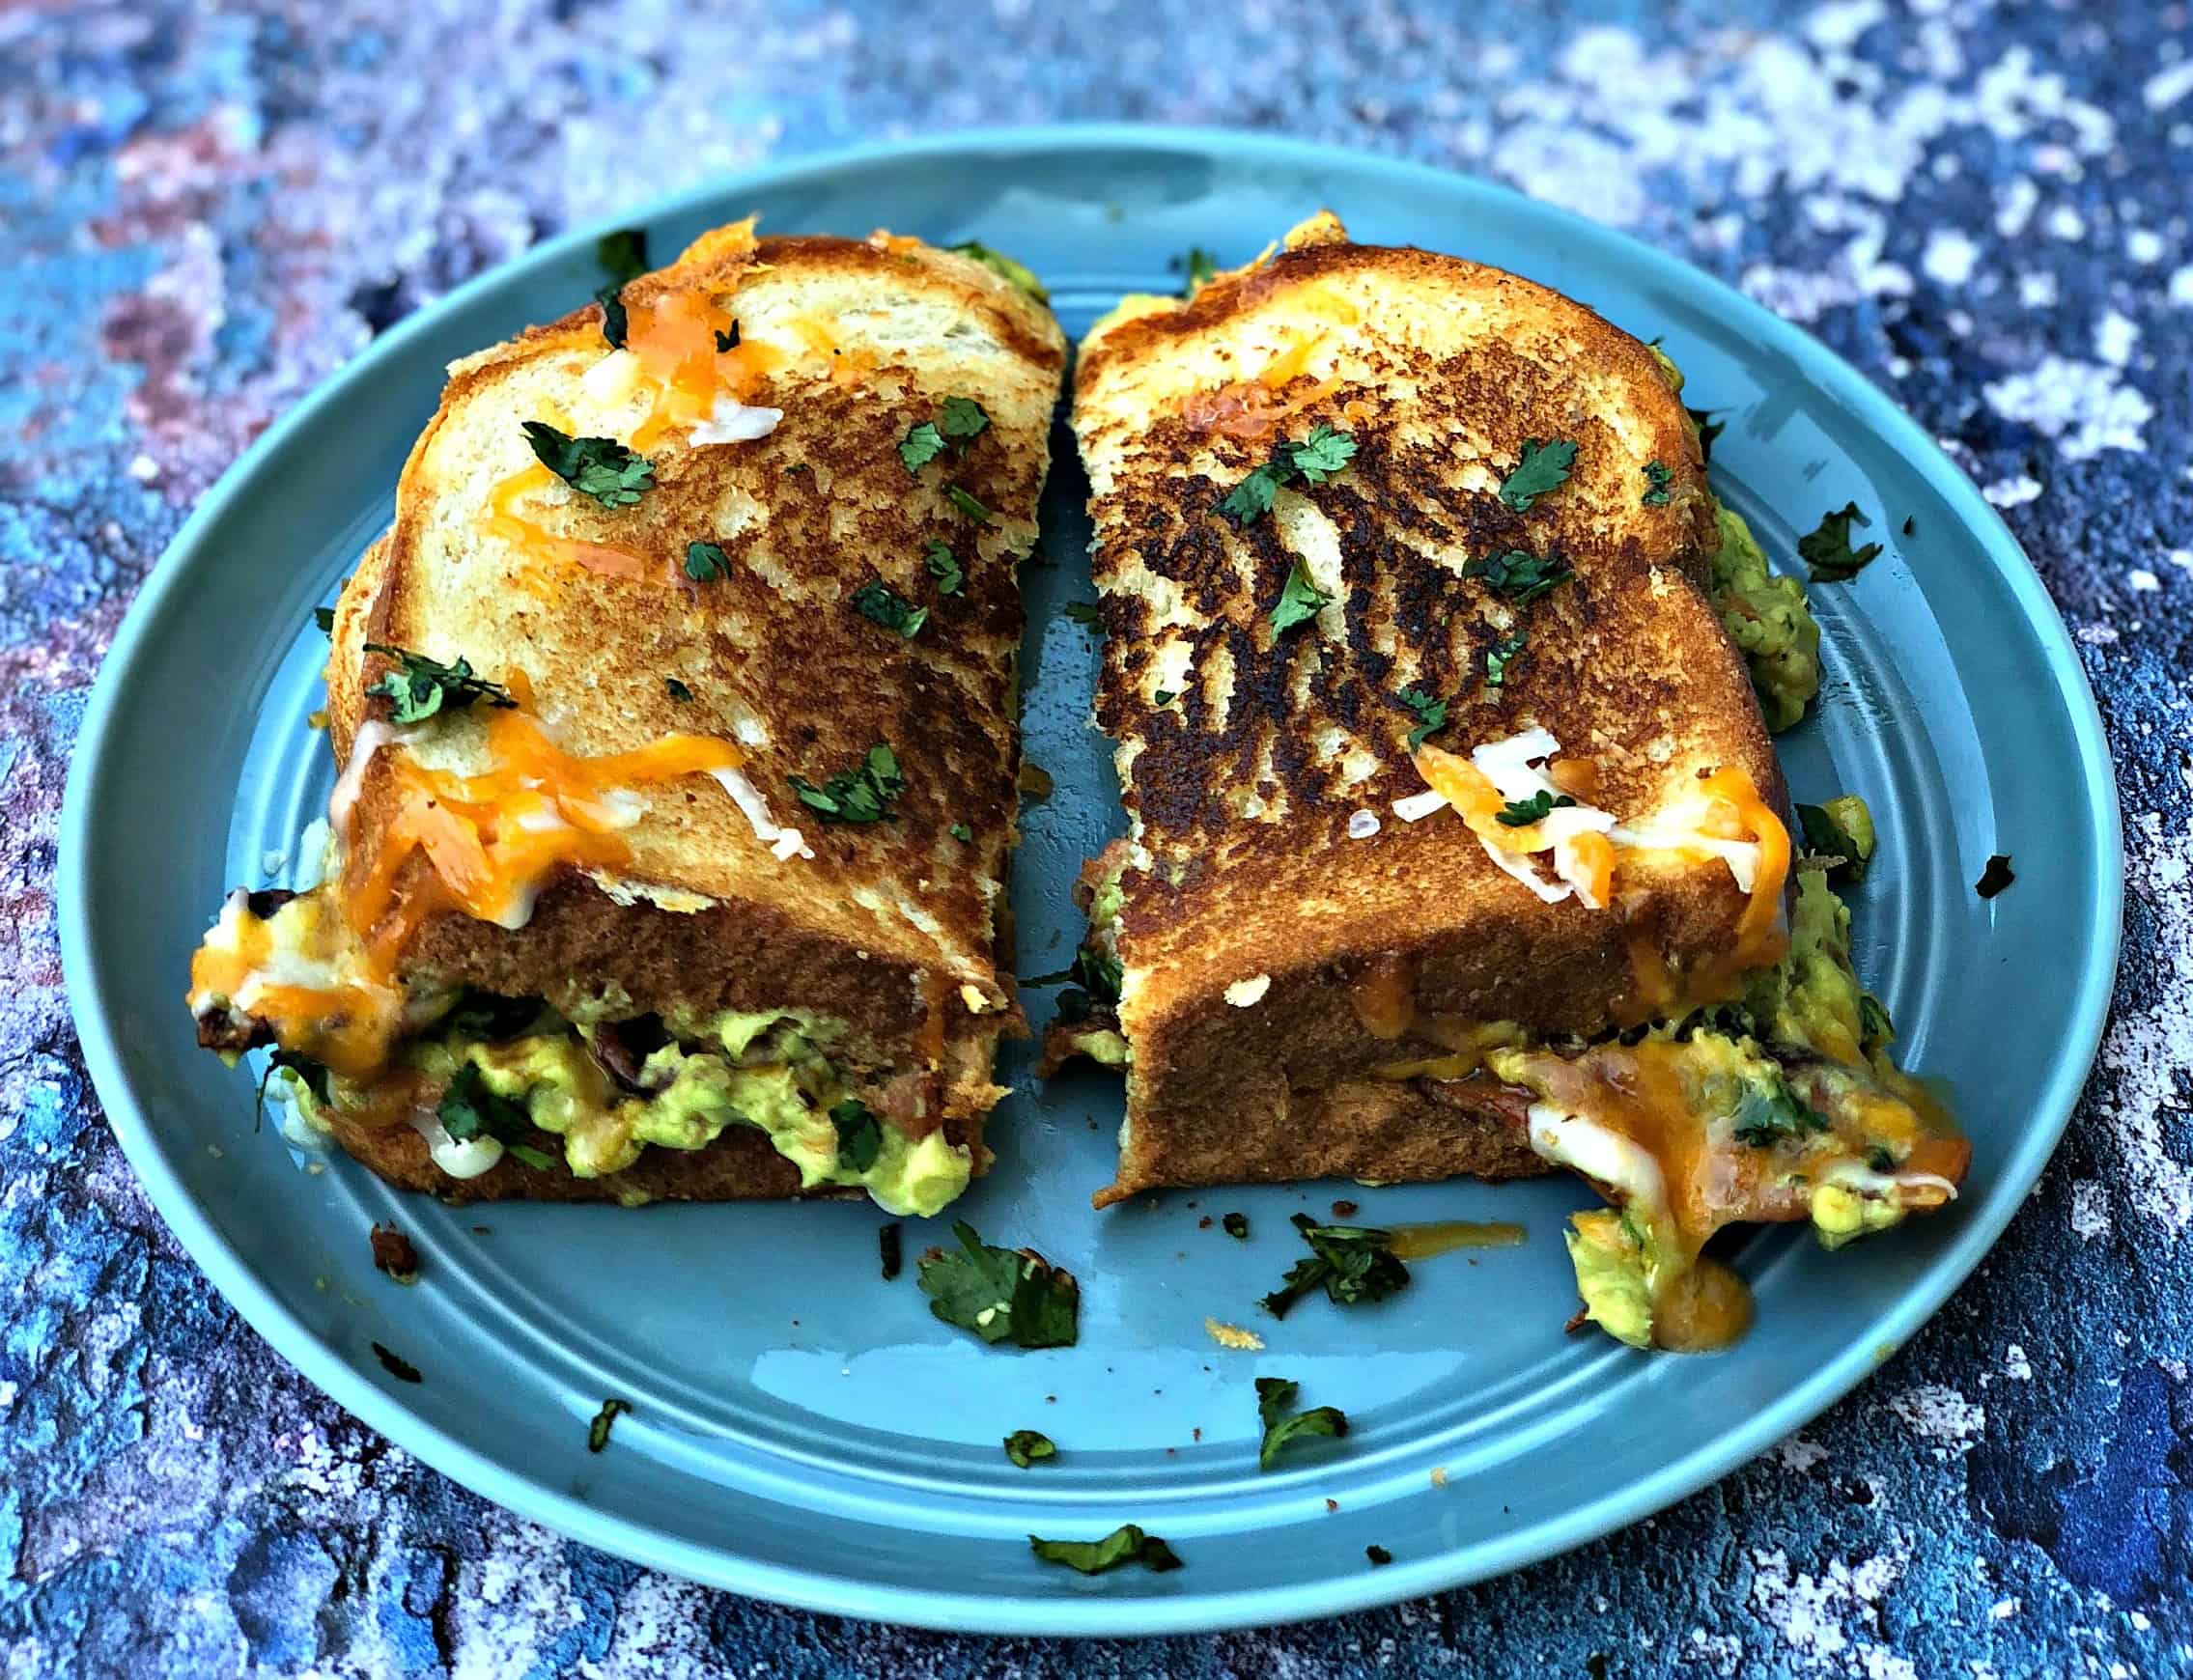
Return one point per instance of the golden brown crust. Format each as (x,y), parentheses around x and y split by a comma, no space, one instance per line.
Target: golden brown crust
(1378,1131)
(1241,787)
(892,927)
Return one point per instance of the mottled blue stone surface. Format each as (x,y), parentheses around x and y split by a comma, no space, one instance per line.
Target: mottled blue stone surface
(1984,208)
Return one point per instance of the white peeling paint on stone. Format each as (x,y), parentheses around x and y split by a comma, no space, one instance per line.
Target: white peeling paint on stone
(1938,1413)
(2083,405)
(1814,1612)
(2150,1051)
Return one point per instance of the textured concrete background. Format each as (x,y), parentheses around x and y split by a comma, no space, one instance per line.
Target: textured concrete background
(1984,208)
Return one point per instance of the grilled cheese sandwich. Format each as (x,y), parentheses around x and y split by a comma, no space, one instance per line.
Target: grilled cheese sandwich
(675,719)
(1435,671)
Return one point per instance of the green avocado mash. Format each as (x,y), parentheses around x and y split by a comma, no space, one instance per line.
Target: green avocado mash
(1102,1044)
(1768,620)
(1812,997)
(769,1073)
(1609,1256)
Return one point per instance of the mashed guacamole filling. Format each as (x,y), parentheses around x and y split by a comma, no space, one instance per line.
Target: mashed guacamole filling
(1768,618)
(479,1077)
(1088,1022)
(1785,1106)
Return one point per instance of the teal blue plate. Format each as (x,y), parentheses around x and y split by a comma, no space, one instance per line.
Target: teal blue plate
(802,1430)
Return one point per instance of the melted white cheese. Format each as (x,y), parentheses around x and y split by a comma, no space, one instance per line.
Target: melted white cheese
(734,421)
(784,843)
(466,1159)
(373,735)
(1599,1153)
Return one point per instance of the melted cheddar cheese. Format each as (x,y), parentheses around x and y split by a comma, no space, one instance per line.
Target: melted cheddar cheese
(1688,1136)
(320,973)
(1725,819)
(490,839)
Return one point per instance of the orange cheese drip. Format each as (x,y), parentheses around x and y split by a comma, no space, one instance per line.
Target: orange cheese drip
(674,337)
(1475,798)
(1762,936)
(1594,853)
(532,539)
(490,838)
(345,1026)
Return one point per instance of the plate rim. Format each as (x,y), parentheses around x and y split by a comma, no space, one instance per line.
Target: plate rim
(821,1589)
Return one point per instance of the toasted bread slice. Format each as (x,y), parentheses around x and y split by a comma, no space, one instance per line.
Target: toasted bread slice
(1287,942)
(759,590)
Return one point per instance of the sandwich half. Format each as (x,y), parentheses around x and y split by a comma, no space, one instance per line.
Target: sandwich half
(675,715)
(1456,840)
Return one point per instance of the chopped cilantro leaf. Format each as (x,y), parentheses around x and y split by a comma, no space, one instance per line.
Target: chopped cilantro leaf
(860,1135)
(615,323)
(1708,428)
(678,690)
(598,1431)
(1769,1113)
(1322,453)
(962,417)
(943,567)
(422,687)
(1099,972)
(1083,612)
(1518,577)
(1314,460)
(961,832)
(1499,656)
(922,445)
(1274,1395)
(1431,715)
(891,1249)
(1880,1160)
(600,468)
(469,1109)
(1235,1225)
(1522,813)
(623,254)
(1001,1294)
(396,1365)
(1300,602)
(1164,698)
(1657,477)
(864,794)
(1378,1555)
(1252,495)
(1023,1447)
(1541,467)
(727,341)
(1350,1263)
(1910,523)
(706,562)
(324,618)
(1996,876)
(966,504)
(881,604)
(1202,268)
(1827,549)
(1125,1544)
